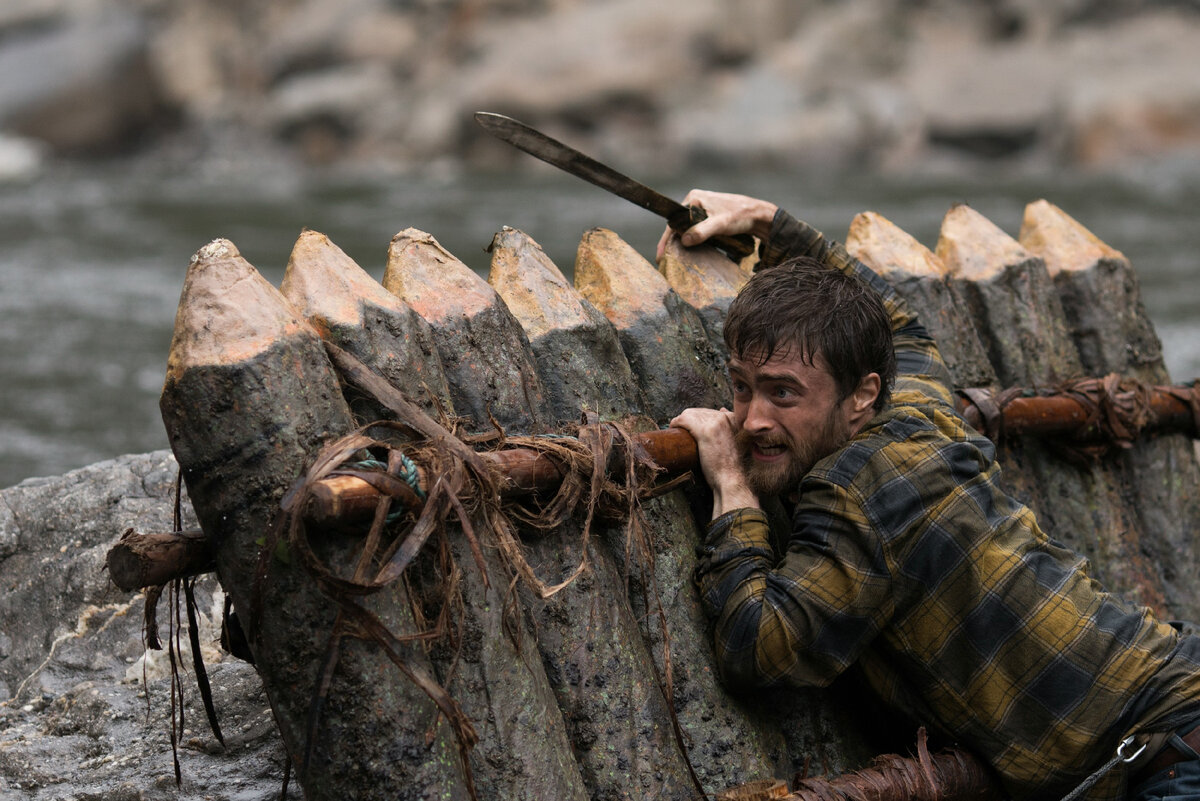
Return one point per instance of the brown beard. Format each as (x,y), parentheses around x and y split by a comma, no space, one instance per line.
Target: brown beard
(776,479)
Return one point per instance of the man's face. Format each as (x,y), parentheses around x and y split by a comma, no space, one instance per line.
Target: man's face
(788,417)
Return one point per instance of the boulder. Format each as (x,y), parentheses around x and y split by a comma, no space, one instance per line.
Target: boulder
(86,708)
(83,85)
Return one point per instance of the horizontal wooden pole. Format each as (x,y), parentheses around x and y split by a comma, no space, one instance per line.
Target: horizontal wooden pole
(151,560)
(142,560)
(522,471)
(1063,416)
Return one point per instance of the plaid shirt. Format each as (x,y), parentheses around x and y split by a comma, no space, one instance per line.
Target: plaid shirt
(907,559)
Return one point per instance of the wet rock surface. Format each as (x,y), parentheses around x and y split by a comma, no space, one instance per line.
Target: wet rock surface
(87,710)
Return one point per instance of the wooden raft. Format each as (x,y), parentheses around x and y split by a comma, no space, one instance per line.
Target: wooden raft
(565,697)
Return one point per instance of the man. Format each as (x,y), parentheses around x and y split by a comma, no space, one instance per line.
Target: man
(904,556)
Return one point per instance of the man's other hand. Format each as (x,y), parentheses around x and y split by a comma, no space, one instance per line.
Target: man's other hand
(714,431)
(727,214)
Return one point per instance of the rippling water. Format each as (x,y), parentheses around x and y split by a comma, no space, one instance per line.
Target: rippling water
(92,260)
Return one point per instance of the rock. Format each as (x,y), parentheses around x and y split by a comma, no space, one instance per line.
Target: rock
(20,159)
(765,81)
(77,720)
(83,86)
(54,536)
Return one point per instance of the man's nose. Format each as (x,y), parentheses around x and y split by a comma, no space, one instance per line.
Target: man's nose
(758,417)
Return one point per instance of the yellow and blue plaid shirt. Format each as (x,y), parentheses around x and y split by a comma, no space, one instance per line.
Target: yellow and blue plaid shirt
(907,558)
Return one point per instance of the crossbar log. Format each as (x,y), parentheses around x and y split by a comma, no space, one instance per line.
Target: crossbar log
(145,560)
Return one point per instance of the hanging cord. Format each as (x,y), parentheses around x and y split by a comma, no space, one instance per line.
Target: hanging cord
(1118,758)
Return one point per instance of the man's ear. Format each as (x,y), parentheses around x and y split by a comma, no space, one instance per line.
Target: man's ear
(862,399)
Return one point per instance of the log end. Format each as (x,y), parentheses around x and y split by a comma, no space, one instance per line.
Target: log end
(975,248)
(616,279)
(889,250)
(223,292)
(434,282)
(703,276)
(535,290)
(1061,241)
(322,282)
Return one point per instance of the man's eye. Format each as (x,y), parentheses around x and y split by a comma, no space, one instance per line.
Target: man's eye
(739,387)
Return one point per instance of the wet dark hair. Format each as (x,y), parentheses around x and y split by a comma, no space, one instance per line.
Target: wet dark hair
(804,306)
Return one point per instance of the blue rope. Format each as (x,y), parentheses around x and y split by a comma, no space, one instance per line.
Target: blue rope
(408,472)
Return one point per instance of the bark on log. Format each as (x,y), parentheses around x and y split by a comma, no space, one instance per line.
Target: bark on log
(154,559)
(1023,323)
(575,347)
(1102,302)
(499,380)
(602,673)
(1012,301)
(350,309)
(523,746)
(706,279)
(663,337)
(249,396)
(1100,297)
(922,279)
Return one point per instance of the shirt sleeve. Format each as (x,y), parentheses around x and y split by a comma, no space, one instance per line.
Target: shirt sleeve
(919,364)
(805,618)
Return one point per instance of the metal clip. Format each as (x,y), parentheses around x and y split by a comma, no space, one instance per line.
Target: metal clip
(1126,742)
(1087,783)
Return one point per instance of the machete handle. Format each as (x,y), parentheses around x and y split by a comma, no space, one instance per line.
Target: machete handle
(735,247)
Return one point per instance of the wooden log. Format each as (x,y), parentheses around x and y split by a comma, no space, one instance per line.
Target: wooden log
(560,326)
(1025,329)
(483,349)
(923,280)
(732,738)
(523,746)
(708,280)
(1100,295)
(350,309)
(1011,298)
(249,397)
(662,336)
(588,635)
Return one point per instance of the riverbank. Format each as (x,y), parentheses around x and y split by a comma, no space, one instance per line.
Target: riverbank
(883,85)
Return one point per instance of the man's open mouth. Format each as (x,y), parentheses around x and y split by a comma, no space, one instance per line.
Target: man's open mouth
(769,451)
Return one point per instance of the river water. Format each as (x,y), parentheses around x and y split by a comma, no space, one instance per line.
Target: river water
(92,259)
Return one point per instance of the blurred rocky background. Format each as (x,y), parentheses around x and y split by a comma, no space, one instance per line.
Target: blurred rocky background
(101,100)
(883,83)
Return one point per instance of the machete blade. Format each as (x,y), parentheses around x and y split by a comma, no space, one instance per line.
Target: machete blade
(568,159)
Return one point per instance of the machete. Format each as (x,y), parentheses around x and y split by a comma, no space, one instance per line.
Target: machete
(552,151)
